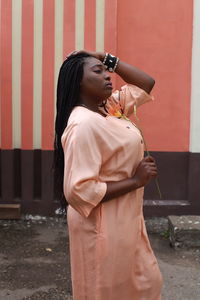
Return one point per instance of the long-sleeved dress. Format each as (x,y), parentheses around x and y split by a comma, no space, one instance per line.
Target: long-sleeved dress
(111,257)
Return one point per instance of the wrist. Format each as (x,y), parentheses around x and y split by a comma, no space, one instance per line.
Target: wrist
(101,56)
(136,182)
(110,61)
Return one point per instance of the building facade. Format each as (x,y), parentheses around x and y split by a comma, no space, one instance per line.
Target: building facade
(160,37)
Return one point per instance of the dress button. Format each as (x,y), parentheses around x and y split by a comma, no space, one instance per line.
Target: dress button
(128,127)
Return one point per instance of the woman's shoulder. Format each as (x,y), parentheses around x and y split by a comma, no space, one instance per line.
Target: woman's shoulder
(83,121)
(83,117)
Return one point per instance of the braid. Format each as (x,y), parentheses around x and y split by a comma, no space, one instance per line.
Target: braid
(68,90)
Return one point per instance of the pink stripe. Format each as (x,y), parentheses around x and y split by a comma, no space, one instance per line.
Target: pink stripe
(6,74)
(110,33)
(48,75)
(110,40)
(27,75)
(69,27)
(90,25)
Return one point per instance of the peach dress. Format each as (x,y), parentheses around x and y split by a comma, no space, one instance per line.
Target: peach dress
(111,257)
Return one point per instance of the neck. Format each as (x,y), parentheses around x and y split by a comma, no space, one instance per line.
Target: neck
(90,104)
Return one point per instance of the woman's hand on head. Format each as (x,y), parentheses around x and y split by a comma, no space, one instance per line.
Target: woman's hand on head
(145,171)
(98,55)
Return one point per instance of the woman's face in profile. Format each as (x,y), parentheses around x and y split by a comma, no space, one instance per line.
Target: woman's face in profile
(96,82)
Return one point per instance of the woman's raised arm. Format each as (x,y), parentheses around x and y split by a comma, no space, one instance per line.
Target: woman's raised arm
(127,72)
(133,75)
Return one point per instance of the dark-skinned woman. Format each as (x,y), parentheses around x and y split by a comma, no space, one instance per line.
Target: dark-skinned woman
(99,156)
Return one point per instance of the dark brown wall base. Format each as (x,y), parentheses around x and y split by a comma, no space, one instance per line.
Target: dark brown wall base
(179,178)
(26,177)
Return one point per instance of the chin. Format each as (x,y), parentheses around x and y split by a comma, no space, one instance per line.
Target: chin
(108,94)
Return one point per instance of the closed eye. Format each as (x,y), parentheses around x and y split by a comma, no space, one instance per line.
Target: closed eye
(98,71)
(98,68)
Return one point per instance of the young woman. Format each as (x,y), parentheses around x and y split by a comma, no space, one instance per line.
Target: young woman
(99,155)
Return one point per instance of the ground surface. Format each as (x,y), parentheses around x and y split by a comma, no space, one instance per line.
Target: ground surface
(34,262)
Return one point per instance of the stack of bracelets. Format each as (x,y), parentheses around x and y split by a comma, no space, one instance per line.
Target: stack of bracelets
(110,62)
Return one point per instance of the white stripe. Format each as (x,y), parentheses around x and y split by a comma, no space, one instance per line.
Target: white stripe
(59,10)
(16,72)
(195,89)
(100,13)
(37,74)
(79,24)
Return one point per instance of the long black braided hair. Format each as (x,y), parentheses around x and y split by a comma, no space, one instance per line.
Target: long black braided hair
(68,91)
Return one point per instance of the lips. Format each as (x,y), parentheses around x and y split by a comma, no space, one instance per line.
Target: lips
(109,85)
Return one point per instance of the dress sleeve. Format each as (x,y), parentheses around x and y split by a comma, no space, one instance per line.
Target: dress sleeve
(128,96)
(83,158)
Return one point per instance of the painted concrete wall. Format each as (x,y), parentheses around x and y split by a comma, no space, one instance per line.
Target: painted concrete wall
(153,35)
(157,36)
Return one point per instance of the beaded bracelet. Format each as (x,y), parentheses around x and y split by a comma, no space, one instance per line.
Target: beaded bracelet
(111,62)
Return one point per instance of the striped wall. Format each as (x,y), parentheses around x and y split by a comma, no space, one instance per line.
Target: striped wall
(160,37)
(35,37)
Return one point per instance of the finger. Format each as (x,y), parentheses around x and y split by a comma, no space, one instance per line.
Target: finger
(149,158)
(154,168)
(154,172)
(151,164)
(69,54)
(150,169)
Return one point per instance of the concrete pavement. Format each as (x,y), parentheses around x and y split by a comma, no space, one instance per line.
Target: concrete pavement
(34,261)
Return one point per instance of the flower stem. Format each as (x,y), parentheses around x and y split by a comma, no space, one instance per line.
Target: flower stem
(148,153)
(145,147)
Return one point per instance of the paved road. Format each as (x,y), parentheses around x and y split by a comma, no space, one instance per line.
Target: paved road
(34,263)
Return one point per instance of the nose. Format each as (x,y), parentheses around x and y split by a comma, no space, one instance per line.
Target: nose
(107,76)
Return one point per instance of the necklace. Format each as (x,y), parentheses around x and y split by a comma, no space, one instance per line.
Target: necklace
(82,104)
(98,112)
